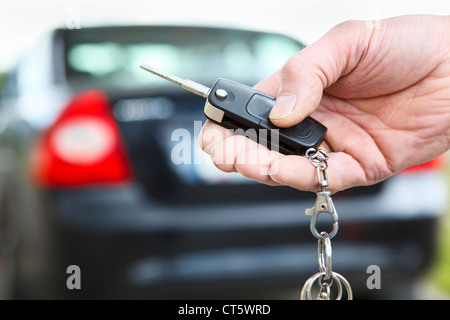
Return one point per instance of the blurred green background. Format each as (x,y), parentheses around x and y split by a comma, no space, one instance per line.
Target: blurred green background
(440,272)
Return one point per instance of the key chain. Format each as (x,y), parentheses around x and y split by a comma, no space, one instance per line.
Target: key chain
(324,204)
(234,105)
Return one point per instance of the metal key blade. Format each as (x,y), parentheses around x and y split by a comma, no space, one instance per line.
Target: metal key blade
(186,84)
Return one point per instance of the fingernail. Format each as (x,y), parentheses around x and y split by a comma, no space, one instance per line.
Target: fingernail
(273,169)
(270,174)
(283,106)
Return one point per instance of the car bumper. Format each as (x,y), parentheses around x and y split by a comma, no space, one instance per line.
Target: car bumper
(130,247)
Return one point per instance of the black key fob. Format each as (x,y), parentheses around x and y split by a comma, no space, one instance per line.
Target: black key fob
(236,106)
(246,110)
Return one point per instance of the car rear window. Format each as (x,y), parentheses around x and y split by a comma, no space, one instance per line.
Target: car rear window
(110,57)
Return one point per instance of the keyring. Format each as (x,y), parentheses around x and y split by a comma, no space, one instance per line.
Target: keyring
(324,204)
(324,253)
(307,287)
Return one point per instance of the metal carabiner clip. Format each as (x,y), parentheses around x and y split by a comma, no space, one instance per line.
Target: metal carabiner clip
(324,204)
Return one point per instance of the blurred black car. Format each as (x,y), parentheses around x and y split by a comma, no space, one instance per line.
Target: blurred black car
(95,172)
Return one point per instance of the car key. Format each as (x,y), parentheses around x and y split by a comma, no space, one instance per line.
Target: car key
(237,106)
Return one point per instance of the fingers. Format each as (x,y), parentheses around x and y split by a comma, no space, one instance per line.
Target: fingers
(235,153)
(270,85)
(211,134)
(299,85)
(299,94)
(343,172)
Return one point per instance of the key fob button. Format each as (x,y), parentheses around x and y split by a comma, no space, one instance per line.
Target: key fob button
(259,106)
(221,94)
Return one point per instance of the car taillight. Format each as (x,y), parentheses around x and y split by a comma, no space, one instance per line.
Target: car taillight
(435,164)
(82,147)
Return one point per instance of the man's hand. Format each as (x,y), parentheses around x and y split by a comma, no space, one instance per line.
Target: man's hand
(383,91)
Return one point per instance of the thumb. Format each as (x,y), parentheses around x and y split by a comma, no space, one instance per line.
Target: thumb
(305,75)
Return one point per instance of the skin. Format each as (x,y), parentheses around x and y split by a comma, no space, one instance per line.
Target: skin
(381,88)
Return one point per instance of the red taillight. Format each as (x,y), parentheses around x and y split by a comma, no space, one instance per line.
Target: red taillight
(82,147)
(435,164)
